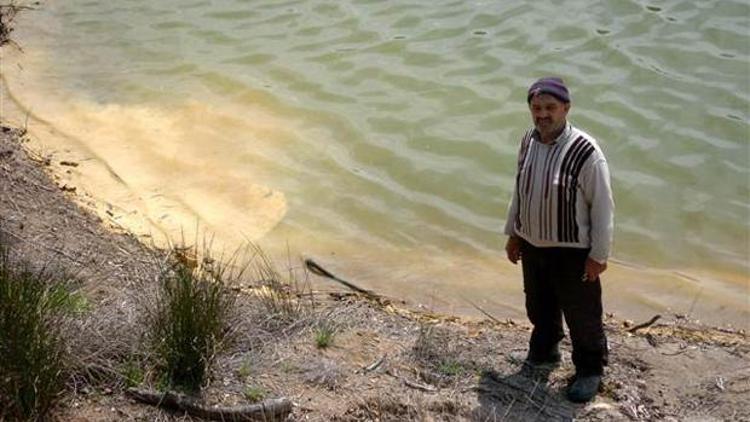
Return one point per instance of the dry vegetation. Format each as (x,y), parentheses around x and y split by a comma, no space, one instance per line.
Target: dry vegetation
(8,14)
(342,357)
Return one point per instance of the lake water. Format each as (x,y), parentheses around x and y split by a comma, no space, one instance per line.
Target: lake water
(380,137)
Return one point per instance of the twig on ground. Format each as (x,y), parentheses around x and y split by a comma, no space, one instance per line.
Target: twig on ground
(39,186)
(268,410)
(510,406)
(720,383)
(13,202)
(318,270)
(645,324)
(418,386)
(676,353)
(375,365)
(412,384)
(485,313)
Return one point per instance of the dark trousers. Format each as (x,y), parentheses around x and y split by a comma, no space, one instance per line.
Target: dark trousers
(552,281)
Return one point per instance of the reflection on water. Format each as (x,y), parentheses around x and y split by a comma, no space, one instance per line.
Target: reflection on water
(382,137)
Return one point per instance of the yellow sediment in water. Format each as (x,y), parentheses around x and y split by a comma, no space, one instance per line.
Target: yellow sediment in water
(131,161)
(164,170)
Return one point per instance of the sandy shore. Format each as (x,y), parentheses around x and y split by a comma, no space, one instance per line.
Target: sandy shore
(385,363)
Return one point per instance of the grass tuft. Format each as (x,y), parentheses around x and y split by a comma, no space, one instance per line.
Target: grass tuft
(191,315)
(450,368)
(324,335)
(33,314)
(246,369)
(254,394)
(132,373)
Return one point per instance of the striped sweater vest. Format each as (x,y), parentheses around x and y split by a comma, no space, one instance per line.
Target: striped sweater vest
(562,194)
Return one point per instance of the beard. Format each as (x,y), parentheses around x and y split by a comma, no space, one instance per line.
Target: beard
(547,125)
(543,122)
(548,128)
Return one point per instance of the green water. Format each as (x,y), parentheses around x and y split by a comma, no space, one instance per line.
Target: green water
(401,120)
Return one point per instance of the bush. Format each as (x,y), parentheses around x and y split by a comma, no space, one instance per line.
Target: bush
(33,314)
(190,317)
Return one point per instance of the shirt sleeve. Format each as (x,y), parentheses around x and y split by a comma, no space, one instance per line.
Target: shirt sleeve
(510,222)
(598,193)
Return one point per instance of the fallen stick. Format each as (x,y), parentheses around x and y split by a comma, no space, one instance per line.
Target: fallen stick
(485,313)
(413,384)
(268,410)
(318,270)
(645,324)
(375,365)
(418,386)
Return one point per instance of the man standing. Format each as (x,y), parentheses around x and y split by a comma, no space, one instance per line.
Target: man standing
(560,224)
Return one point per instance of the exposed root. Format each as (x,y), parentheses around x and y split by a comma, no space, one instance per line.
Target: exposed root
(268,410)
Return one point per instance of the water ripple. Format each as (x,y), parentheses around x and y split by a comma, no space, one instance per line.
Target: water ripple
(408,115)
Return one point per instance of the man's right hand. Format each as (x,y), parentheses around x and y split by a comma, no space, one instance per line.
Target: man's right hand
(513,248)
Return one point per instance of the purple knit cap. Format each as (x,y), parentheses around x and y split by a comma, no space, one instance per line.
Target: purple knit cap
(549,85)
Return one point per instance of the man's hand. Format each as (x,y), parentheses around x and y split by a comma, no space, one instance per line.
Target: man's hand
(513,248)
(592,270)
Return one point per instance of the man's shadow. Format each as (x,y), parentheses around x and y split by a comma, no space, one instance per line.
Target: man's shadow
(521,396)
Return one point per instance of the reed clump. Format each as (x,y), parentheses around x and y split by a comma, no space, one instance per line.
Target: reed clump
(35,306)
(189,316)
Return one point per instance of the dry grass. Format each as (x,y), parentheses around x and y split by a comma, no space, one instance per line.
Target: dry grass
(8,13)
(285,299)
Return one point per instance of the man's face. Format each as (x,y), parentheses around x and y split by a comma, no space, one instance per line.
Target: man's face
(548,114)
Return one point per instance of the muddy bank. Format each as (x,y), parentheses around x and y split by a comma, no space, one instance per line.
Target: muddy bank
(384,363)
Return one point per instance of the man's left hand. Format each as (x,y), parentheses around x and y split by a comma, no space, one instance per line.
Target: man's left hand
(593,269)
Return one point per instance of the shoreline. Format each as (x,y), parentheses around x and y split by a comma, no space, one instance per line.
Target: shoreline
(633,291)
(436,366)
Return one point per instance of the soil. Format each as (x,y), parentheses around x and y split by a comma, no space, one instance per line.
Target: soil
(384,362)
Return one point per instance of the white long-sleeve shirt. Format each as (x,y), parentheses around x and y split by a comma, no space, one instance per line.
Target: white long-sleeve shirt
(562,195)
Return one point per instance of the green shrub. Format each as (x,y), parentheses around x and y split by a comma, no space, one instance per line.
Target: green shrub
(190,317)
(324,335)
(132,372)
(33,316)
(450,368)
(254,394)
(245,369)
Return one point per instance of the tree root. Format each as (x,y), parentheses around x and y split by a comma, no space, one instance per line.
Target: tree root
(268,410)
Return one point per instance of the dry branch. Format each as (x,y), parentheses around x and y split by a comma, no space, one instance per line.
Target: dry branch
(375,365)
(645,324)
(268,410)
(485,313)
(418,386)
(318,270)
